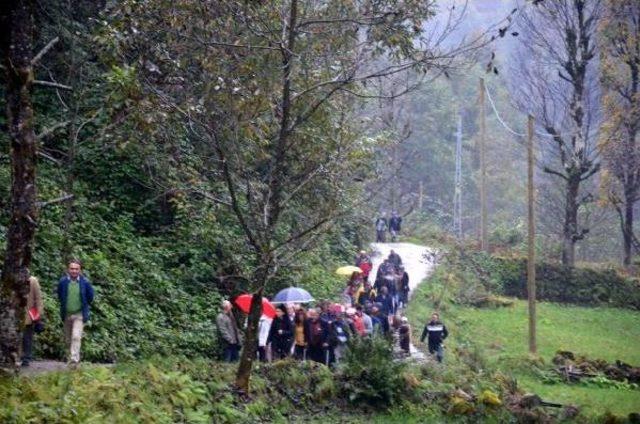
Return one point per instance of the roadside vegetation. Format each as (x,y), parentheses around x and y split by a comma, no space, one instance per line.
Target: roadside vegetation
(488,327)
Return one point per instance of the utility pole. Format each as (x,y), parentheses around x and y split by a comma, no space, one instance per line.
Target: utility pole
(484,240)
(394,183)
(531,264)
(457,196)
(420,197)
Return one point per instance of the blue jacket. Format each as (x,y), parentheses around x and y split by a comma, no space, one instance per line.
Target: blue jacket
(86,296)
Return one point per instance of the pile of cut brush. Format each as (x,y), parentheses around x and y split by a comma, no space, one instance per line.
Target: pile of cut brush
(574,368)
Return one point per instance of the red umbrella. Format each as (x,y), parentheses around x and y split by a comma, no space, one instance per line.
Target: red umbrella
(244,303)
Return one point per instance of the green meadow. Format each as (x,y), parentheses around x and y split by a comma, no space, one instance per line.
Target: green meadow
(498,336)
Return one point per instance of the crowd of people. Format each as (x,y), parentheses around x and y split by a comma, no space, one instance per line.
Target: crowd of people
(322,333)
(318,334)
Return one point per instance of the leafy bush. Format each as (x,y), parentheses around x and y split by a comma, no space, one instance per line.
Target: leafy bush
(370,374)
(477,274)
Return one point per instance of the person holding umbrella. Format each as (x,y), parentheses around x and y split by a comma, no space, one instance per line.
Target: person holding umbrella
(280,333)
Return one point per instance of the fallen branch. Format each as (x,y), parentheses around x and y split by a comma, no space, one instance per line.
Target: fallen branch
(64,198)
(53,85)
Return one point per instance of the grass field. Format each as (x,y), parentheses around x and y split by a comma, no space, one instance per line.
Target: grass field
(500,335)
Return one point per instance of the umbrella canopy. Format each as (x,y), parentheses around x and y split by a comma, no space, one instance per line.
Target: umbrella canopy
(244,303)
(348,270)
(292,295)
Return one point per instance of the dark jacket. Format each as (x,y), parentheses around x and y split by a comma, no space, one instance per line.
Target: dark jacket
(324,334)
(281,342)
(405,282)
(386,304)
(395,260)
(436,332)
(339,333)
(394,223)
(86,296)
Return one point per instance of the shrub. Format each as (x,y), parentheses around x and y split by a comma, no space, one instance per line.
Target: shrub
(370,375)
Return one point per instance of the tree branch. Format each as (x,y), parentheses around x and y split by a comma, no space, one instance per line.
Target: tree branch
(52,84)
(552,172)
(48,131)
(44,51)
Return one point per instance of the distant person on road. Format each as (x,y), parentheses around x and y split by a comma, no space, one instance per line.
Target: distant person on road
(33,316)
(394,259)
(405,335)
(435,331)
(75,294)
(395,224)
(402,284)
(229,335)
(381,228)
(362,257)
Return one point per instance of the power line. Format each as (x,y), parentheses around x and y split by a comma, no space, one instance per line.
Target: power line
(512,131)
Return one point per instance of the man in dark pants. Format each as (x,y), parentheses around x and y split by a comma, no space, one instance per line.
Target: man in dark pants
(228,329)
(381,228)
(34,312)
(394,225)
(436,332)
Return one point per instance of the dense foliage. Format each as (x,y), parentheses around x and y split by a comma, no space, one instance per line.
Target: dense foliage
(160,253)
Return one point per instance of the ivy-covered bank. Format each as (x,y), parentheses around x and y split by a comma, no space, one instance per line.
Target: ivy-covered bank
(159,270)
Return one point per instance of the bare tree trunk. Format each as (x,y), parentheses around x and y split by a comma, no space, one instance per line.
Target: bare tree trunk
(14,288)
(570,229)
(250,342)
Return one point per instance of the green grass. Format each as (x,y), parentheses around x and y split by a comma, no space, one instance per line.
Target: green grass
(603,333)
(500,336)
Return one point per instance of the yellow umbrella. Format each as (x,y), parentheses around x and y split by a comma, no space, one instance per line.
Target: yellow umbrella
(348,270)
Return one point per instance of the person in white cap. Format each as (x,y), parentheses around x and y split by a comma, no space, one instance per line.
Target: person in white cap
(405,335)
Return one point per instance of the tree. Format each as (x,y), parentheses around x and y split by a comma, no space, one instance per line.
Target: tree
(17,17)
(265,96)
(620,67)
(556,82)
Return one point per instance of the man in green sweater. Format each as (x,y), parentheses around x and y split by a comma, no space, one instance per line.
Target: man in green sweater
(75,294)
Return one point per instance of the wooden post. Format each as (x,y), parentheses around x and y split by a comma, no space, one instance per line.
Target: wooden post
(484,239)
(531,264)
(420,197)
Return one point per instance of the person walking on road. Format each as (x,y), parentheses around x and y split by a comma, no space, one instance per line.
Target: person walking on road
(229,335)
(404,333)
(381,228)
(33,316)
(395,223)
(75,294)
(436,332)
